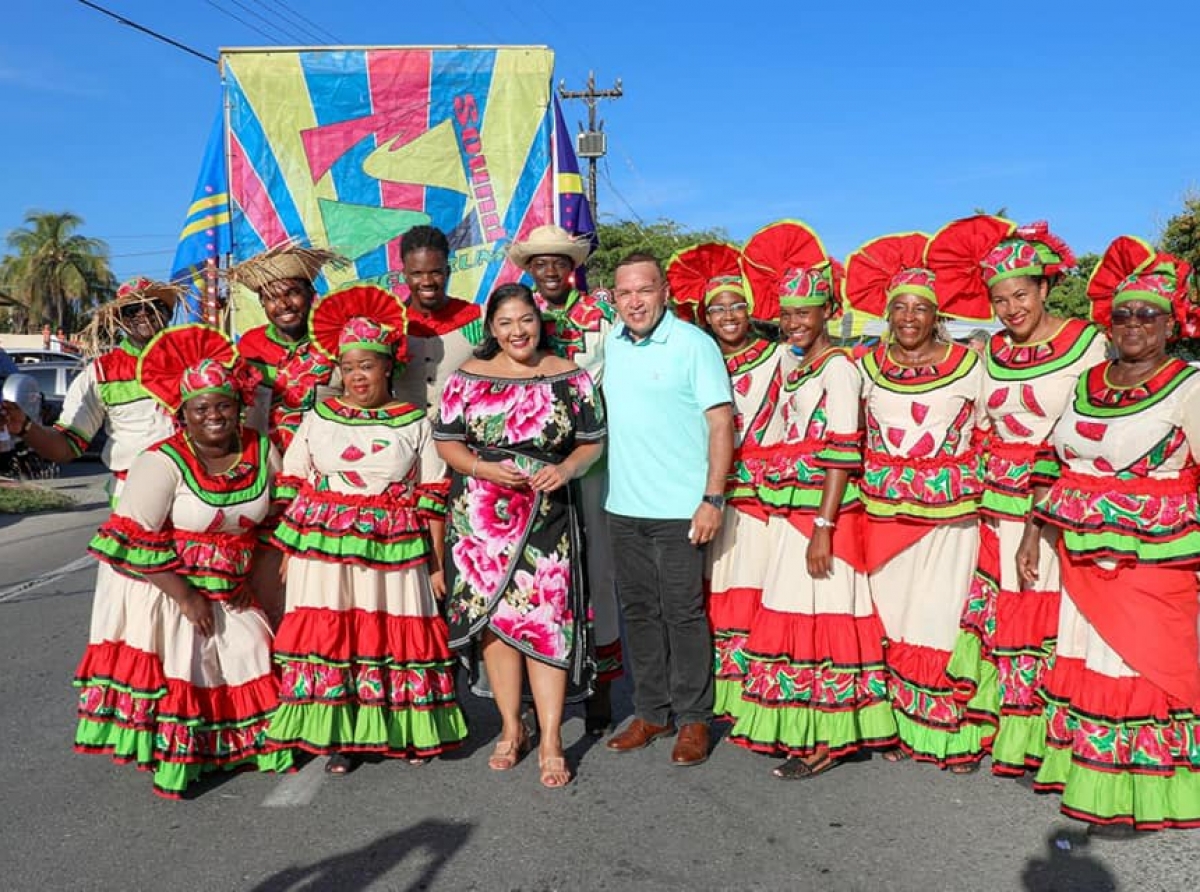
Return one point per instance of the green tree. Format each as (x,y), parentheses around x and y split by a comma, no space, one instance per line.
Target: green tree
(1181,237)
(56,273)
(661,239)
(1069,296)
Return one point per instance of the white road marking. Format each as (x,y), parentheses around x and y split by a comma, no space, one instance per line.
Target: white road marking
(299,788)
(46,578)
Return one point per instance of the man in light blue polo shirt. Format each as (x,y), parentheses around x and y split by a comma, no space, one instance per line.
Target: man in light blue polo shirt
(670,445)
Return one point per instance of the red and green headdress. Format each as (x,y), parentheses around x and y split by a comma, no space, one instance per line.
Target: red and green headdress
(969,255)
(772,257)
(885,267)
(699,273)
(360,317)
(187,360)
(814,286)
(1132,270)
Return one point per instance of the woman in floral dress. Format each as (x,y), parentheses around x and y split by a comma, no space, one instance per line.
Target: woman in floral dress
(1123,693)
(816,684)
(710,276)
(189,689)
(920,489)
(364,662)
(1030,369)
(517,425)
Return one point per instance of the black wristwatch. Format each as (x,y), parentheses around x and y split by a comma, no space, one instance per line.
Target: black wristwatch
(717,500)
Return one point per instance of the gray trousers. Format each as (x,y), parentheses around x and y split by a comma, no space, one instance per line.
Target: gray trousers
(668,642)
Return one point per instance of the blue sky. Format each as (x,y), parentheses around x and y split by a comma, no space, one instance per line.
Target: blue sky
(860,118)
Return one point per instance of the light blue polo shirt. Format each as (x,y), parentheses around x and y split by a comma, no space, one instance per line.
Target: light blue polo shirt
(656,392)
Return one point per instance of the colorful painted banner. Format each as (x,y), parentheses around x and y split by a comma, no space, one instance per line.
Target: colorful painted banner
(351,148)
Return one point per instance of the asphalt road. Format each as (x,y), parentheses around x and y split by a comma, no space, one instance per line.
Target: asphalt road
(628,822)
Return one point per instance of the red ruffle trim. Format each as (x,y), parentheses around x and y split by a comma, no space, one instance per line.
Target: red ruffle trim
(343,636)
(1025,619)
(843,640)
(733,610)
(1111,700)
(115,662)
(924,667)
(225,704)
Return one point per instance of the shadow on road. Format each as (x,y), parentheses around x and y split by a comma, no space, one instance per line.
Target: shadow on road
(437,841)
(1067,867)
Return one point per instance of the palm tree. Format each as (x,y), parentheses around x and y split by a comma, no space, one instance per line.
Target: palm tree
(55,272)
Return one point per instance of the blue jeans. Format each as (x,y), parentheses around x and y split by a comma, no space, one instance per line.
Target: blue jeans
(660,577)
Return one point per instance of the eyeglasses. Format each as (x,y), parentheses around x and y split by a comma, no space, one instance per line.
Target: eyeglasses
(730,310)
(1143,315)
(546,264)
(646,291)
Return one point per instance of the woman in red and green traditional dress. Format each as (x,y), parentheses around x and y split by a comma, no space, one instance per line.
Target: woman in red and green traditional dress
(1123,693)
(920,489)
(710,276)
(189,689)
(362,650)
(1030,370)
(816,683)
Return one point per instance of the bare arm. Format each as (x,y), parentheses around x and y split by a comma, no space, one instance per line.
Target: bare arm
(706,522)
(48,443)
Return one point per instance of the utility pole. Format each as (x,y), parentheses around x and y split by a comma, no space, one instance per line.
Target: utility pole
(592,143)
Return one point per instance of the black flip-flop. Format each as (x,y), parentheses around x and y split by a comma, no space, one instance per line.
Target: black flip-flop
(339,764)
(795,768)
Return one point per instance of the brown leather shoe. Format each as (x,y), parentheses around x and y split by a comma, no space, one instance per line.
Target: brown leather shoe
(691,747)
(639,734)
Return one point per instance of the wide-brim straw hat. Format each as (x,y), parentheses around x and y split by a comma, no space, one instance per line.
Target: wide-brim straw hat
(289,260)
(550,240)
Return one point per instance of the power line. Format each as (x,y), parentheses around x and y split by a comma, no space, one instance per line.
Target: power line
(302,21)
(145,30)
(274,38)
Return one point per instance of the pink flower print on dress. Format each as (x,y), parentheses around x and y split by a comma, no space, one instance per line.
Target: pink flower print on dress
(536,629)
(488,398)
(551,579)
(528,417)
(450,408)
(482,568)
(496,514)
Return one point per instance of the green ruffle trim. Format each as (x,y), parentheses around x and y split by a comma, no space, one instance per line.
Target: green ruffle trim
(727,698)
(1110,542)
(1146,800)
(940,513)
(431,506)
(325,728)
(313,545)
(1005,504)
(1046,471)
(790,497)
(832,457)
(802,730)
(967,744)
(172,778)
(132,557)
(1020,744)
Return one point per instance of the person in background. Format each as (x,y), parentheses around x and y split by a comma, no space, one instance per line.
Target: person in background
(362,651)
(670,413)
(1123,692)
(189,689)
(518,426)
(576,326)
(295,375)
(443,331)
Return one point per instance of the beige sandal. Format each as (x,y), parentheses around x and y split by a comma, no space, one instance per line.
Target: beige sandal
(508,753)
(554,770)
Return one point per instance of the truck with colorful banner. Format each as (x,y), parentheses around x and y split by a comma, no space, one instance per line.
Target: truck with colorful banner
(348,148)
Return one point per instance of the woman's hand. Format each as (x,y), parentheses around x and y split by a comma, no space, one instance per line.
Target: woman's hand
(199,612)
(242,597)
(820,552)
(437,582)
(1029,555)
(550,477)
(502,474)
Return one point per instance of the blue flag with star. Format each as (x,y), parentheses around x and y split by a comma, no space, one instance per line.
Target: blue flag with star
(206,230)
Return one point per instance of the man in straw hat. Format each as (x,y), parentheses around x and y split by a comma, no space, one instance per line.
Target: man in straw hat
(576,325)
(107,393)
(443,331)
(294,374)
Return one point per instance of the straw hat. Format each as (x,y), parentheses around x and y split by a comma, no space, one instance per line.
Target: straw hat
(550,239)
(286,261)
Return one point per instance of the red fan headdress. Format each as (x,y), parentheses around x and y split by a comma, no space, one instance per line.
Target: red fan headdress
(187,360)
(699,273)
(957,254)
(884,267)
(360,317)
(774,256)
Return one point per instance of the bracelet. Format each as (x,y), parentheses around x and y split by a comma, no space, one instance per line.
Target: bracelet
(475,466)
(822,524)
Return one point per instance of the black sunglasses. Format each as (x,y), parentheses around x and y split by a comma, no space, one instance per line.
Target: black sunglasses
(1144,315)
(158,307)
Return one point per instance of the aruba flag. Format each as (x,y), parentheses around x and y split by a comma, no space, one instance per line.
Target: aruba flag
(206,230)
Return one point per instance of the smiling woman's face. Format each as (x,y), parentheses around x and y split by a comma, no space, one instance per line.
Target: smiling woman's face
(912,320)
(211,419)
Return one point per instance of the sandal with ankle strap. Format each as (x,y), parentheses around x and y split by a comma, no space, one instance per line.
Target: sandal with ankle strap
(508,753)
(555,773)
